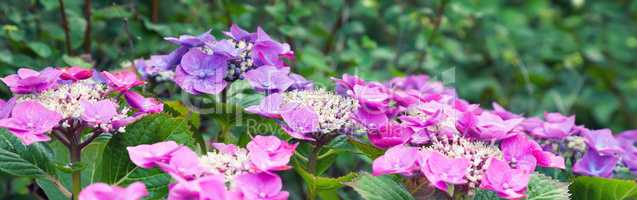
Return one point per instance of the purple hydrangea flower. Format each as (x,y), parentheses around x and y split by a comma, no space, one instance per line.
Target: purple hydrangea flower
(6,107)
(523,153)
(503,113)
(211,187)
(269,153)
(239,34)
(399,159)
(261,186)
(102,191)
(347,83)
(300,83)
(628,140)
(269,79)
(29,81)
(30,121)
(602,141)
(200,73)
(441,170)
(269,107)
(183,164)
(373,96)
(556,126)
(143,104)
(492,127)
(508,183)
(267,51)
(192,41)
(98,113)
(596,164)
(300,121)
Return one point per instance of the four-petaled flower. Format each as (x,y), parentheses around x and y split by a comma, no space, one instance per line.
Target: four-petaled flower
(508,183)
(102,191)
(200,73)
(29,81)
(30,121)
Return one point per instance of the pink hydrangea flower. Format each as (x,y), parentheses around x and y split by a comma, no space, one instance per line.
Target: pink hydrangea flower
(269,79)
(523,153)
(508,183)
(371,119)
(261,186)
(269,153)
(441,170)
(503,113)
(269,107)
(595,164)
(555,126)
(492,127)
(30,121)
(300,121)
(602,141)
(399,159)
(122,81)
(226,148)
(6,107)
(267,51)
(300,83)
(30,81)
(374,96)
(211,187)
(75,73)
(148,155)
(143,104)
(183,164)
(100,112)
(101,191)
(389,135)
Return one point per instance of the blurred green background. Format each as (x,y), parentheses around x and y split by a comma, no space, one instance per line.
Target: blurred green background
(575,57)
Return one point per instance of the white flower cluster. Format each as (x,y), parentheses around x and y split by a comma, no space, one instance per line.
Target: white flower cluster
(65,99)
(478,153)
(230,165)
(335,112)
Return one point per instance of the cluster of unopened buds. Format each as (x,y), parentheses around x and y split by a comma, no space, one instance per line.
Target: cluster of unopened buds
(204,65)
(63,102)
(229,172)
(430,132)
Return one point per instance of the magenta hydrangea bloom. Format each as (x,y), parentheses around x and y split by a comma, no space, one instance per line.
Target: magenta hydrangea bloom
(267,51)
(30,121)
(523,153)
(508,183)
(148,155)
(30,81)
(269,107)
(98,113)
(374,96)
(602,141)
(503,113)
(556,126)
(596,164)
(389,135)
(261,186)
(347,83)
(441,170)
(300,121)
(200,73)
(183,164)
(300,83)
(238,33)
(102,191)
(269,153)
(269,79)
(399,159)
(492,127)
(75,73)
(143,104)
(6,107)
(210,187)
(371,119)
(122,81)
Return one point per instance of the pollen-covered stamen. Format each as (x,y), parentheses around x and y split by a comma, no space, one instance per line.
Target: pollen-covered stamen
(243,63)
(335,112)
(229,165)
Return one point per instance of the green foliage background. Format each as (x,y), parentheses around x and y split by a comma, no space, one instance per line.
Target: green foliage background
(575,57)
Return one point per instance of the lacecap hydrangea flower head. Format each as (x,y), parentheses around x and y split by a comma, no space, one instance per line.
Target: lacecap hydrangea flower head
(430,133)
(228,172)
(63,102)
(205,65)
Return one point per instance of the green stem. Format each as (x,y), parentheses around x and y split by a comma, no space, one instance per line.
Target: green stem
(75,152)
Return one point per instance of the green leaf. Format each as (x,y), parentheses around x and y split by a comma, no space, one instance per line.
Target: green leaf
(319,183)
(116,168)
(20,160)
(6,57)
(542,187)
(115,11)
(40,49)
(52,190)
(379,188)
(368,149)
(594,188)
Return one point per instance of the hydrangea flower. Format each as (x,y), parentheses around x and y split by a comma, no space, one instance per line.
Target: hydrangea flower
(102,191)
(556,126)
(596,164)
(261,186)
(627,140)
(268,153)
(143,104)
(389,135)
(602,141)
(30,121)
(492,127)
(75,73)
(269,79)
(269,107)
(148,155)
(441,170)
(399,159)
(30,81)
(122,81)
(201,73)
(508,183)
